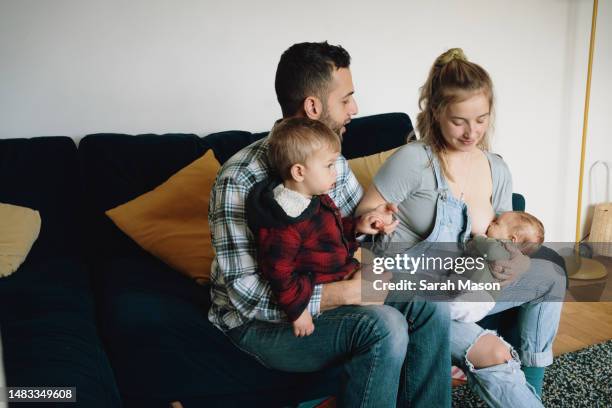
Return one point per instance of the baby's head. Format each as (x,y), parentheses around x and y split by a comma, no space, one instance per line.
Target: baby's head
(519,227)
(303,152)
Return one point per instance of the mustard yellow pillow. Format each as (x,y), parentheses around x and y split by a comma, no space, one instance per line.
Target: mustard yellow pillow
(19,228)
(171,221)
(365,168)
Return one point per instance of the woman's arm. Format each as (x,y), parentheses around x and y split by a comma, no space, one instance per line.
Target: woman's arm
(370,200)
(398,177)
(502,186)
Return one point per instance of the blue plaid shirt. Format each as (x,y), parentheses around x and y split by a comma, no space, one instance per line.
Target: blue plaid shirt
(238,292)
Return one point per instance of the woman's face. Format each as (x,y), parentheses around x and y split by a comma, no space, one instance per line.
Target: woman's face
(465,123)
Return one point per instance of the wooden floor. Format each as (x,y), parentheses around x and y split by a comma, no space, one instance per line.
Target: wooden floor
(586,323)
(583,324)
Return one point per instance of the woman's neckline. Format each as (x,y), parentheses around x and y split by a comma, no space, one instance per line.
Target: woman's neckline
(488,157)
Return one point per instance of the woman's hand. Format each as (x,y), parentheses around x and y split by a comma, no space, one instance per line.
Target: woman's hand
(511,270)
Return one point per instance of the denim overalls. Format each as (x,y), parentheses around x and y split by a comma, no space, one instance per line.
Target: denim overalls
(503,385)
(453,223)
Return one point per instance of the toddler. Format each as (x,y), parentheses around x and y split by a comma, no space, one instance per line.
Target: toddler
(302,239)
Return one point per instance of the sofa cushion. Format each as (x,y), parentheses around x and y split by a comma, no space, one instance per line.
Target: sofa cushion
(171,221)
(49,334)
(154,322)
(364,136)
(42,174)
(19,228)
(226,144)
(365,168)
(376,133)
(117,168)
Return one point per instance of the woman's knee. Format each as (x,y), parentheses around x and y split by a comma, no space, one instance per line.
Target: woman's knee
(488,350)
(549,278)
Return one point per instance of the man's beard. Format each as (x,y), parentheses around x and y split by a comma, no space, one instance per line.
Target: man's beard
(336,127)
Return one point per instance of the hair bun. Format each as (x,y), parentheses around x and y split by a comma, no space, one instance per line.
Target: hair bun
(451,55)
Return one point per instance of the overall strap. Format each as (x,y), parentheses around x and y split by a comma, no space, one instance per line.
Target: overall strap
(442,187)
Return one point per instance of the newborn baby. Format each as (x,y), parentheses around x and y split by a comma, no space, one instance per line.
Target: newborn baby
(510,228)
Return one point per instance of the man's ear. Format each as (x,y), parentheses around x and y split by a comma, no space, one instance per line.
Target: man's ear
(313,107)
(297,172)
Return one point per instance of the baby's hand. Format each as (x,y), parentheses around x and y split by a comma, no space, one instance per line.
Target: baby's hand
(303,325)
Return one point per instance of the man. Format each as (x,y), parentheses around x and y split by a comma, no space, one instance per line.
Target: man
(372,340)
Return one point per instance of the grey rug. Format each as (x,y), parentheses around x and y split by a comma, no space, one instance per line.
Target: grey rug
(581,378)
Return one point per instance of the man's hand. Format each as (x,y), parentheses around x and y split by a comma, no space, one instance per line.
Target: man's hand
(349,290)
(303,325)
(359,289)
(511,270)
(379,220)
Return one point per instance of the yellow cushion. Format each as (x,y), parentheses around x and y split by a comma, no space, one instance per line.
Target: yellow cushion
(171,221)
(19,228)
(365,168)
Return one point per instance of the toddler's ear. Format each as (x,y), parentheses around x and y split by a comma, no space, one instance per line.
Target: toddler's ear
(297,172)
(514,238)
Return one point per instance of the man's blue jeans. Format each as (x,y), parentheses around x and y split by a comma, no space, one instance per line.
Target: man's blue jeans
(395,354)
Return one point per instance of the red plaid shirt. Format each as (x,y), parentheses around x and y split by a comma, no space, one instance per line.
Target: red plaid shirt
(295,253)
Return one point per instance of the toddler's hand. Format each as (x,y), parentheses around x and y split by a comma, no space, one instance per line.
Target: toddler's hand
(370,223)
(379,220)
(303,325)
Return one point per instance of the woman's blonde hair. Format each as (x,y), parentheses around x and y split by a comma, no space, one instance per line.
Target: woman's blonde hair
(452,79)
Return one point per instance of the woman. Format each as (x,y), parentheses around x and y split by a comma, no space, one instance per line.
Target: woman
(447,186)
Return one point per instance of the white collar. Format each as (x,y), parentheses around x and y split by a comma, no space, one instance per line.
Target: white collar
(292,202)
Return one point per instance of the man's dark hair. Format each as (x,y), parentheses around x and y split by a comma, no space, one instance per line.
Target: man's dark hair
(306,69)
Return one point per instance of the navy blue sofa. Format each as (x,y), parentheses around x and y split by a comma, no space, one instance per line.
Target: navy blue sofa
(47,320)
(88,298)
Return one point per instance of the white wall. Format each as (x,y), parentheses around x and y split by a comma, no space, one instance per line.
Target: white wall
(73,67)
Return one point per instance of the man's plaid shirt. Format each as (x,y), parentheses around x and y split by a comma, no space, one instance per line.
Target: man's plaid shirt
(238,292)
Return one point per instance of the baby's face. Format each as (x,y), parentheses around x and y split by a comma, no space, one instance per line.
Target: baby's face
(502,226)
